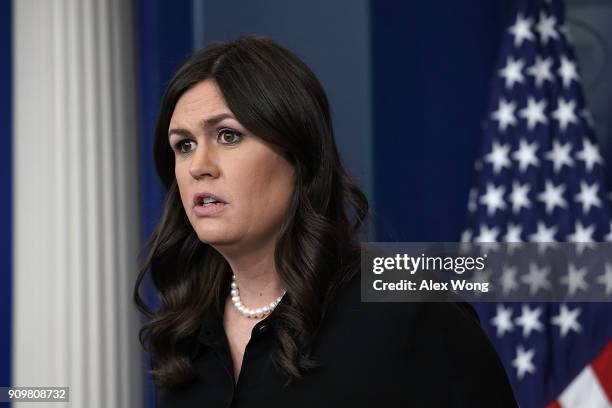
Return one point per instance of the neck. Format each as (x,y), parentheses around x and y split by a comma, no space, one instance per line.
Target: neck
(256,276)
(258,287)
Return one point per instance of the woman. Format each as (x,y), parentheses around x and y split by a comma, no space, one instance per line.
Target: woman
(256,259)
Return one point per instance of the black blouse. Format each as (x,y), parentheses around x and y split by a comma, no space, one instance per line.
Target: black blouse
(371,355)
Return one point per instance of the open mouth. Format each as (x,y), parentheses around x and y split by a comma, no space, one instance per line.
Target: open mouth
(206,202)
(206,198)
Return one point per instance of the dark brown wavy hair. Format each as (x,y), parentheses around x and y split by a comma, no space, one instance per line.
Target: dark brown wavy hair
(274,95)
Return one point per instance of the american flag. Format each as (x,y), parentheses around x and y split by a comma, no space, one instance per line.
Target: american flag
(540,177)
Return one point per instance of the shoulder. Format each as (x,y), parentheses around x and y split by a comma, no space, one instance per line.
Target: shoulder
(453,315)
(457,314)
(442,344)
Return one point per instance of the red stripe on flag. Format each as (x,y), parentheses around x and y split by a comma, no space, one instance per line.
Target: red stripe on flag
(602,366)
(554,404)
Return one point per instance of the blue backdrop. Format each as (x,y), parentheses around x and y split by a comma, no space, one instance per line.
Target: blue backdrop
(164,40)
(431,67)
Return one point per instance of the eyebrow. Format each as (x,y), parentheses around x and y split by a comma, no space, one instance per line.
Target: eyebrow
(204,124)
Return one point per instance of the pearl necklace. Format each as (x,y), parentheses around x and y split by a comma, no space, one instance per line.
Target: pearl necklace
(252,313)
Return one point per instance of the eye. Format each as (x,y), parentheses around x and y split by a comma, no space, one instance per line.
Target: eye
(184,146)
(229,136)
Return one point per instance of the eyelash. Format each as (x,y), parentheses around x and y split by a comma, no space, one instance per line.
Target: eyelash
(178,146)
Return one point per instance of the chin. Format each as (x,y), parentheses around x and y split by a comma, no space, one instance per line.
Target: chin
(212,238)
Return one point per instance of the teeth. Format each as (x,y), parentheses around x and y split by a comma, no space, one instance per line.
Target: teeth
(208,200)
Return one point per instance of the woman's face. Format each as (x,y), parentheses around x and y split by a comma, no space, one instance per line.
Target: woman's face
(216,156)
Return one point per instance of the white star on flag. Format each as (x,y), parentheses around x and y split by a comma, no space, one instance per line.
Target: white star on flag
(487,235)
(589,154)
(588,196)
(508,279)
(518,196)
(568,71)
(523,362)
(512,72)
(541,70)
(544,235)
(582,237)
(505,114)
(536,279)
(529,320)
(493,198)
(521,30)
(574,279)
(525,155)
(533,113)
(560,155)
(552,196)
(567,320)
(513,233)
(499,157)
(503,320)
(546,28)
(565,113)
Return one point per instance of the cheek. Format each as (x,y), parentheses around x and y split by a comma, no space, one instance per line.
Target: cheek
(182,181)
(253,190)
(272,193)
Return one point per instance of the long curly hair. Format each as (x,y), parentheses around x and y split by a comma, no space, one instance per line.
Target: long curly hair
(274,95)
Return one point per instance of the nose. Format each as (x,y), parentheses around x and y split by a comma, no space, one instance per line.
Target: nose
(203,162)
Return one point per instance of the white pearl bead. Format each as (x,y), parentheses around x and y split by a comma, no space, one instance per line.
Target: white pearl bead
(245,311)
